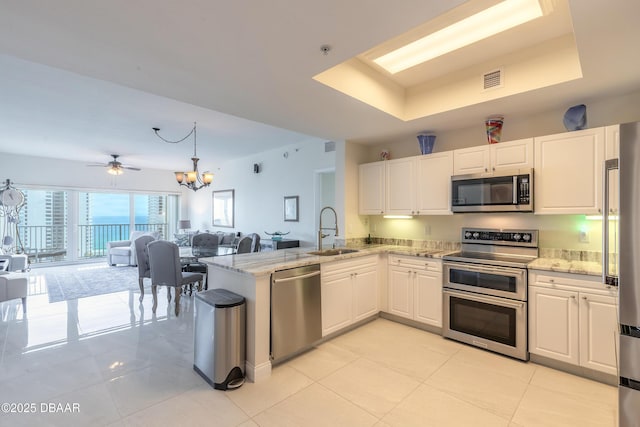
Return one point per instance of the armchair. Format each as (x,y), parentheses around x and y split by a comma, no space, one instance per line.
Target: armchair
(124,251)
(12,286)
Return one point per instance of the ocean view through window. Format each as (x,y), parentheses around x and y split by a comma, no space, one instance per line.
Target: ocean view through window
(71,225)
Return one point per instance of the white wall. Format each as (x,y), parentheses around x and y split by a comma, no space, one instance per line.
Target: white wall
(556,231)
(600,112)
(32,171)
(259,198)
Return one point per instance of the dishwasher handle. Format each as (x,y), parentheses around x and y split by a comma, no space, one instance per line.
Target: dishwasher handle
(290,279)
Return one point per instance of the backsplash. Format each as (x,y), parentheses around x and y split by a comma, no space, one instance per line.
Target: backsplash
(565,254)
(573,255)
(421,244)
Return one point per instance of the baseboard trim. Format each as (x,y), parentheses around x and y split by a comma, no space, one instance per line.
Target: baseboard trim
(574,370)
(257,373)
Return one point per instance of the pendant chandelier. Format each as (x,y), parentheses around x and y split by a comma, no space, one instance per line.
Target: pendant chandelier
(192,178)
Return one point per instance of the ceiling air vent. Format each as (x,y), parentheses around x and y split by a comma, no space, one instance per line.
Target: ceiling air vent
(329,146)
(492,79)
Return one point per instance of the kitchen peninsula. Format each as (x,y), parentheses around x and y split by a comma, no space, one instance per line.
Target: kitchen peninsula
(249,275)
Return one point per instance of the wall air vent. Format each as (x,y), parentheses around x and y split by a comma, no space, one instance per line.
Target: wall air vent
(492,79)
(329,146)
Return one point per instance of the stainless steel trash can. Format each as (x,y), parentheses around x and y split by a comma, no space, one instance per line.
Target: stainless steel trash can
(219,338)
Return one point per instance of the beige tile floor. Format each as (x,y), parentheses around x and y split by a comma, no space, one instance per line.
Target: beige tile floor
(123,366)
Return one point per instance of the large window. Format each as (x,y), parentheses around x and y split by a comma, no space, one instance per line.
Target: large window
(42,228)
(102,217)
(73,225)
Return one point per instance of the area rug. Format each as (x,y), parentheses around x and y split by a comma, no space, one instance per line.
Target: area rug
(87,280)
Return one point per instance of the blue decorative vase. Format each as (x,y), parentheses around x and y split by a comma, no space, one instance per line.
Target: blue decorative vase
(575,118)
(426,143)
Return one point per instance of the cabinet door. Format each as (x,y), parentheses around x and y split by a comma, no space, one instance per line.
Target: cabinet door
(400,191)
(568,172)
(401,291)
(553,324)
(371,185)
(433,184)
(336,303)
(365,293)
(428,298)
(471,160)
(512,155)
(598,332)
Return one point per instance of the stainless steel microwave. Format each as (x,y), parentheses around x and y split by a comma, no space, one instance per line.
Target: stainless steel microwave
(502,191)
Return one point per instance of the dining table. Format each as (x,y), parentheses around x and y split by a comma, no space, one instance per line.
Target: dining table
(190,258)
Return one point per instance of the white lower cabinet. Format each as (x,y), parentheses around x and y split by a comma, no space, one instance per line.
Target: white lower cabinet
(415,288)
(573,318)
(349,292)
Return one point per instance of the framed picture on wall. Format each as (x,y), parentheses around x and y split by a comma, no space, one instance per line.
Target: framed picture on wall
(223,202)
(291,208)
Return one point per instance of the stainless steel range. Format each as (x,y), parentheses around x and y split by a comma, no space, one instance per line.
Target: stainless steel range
(485,289)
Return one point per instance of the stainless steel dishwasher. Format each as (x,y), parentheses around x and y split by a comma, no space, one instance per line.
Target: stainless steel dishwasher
(296,317)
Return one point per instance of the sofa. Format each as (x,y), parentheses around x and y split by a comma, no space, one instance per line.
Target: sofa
(124,251)
(227,239)
(12,286)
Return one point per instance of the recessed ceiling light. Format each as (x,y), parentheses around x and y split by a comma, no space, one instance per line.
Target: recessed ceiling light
(491,21)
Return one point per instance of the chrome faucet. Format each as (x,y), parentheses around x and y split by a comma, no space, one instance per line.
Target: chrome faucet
(321,235)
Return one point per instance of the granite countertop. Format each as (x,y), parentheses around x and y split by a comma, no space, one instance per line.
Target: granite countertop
(262,263)
(592,268)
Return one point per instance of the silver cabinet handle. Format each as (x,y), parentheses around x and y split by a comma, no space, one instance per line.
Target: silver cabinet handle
(290,279)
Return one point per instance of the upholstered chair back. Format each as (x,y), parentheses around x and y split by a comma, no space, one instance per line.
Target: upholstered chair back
(142,253)
(164,261)
(205,245)
(244,245)
(255,242)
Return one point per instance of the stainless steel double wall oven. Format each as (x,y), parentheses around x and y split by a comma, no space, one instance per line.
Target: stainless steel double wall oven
(485,289)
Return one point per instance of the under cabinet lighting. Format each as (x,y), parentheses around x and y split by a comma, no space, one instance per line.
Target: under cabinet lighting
(398,216)
(599,217)
(484,24)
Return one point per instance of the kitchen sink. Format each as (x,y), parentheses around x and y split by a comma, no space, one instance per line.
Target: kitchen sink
(331,252)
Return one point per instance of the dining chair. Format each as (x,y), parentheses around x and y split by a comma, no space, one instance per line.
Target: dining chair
(249,243)
(244,245)
(142,254)
(164,261)
(203,245)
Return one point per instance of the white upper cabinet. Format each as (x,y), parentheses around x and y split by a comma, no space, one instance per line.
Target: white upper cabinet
(433,183)
(487,159)
(419,185)
(568,172)
(400,189)
(471,160)
(516,154)
(371,188)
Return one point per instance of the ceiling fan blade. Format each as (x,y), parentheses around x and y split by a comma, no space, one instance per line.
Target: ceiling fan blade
(98,164)
(131,168)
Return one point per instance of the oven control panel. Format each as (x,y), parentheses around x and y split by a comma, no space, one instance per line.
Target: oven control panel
(497,237)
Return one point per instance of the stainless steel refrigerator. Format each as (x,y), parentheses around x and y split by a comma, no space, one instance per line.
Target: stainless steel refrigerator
(629,275)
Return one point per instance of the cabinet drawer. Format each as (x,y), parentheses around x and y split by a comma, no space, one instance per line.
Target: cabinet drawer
(416,263)
(349,265)
(570,281)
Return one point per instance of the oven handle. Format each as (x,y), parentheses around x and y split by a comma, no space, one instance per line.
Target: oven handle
(515,189)
(486,299)
(492,269)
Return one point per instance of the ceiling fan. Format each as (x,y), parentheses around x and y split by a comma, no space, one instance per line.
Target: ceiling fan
(115,167)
